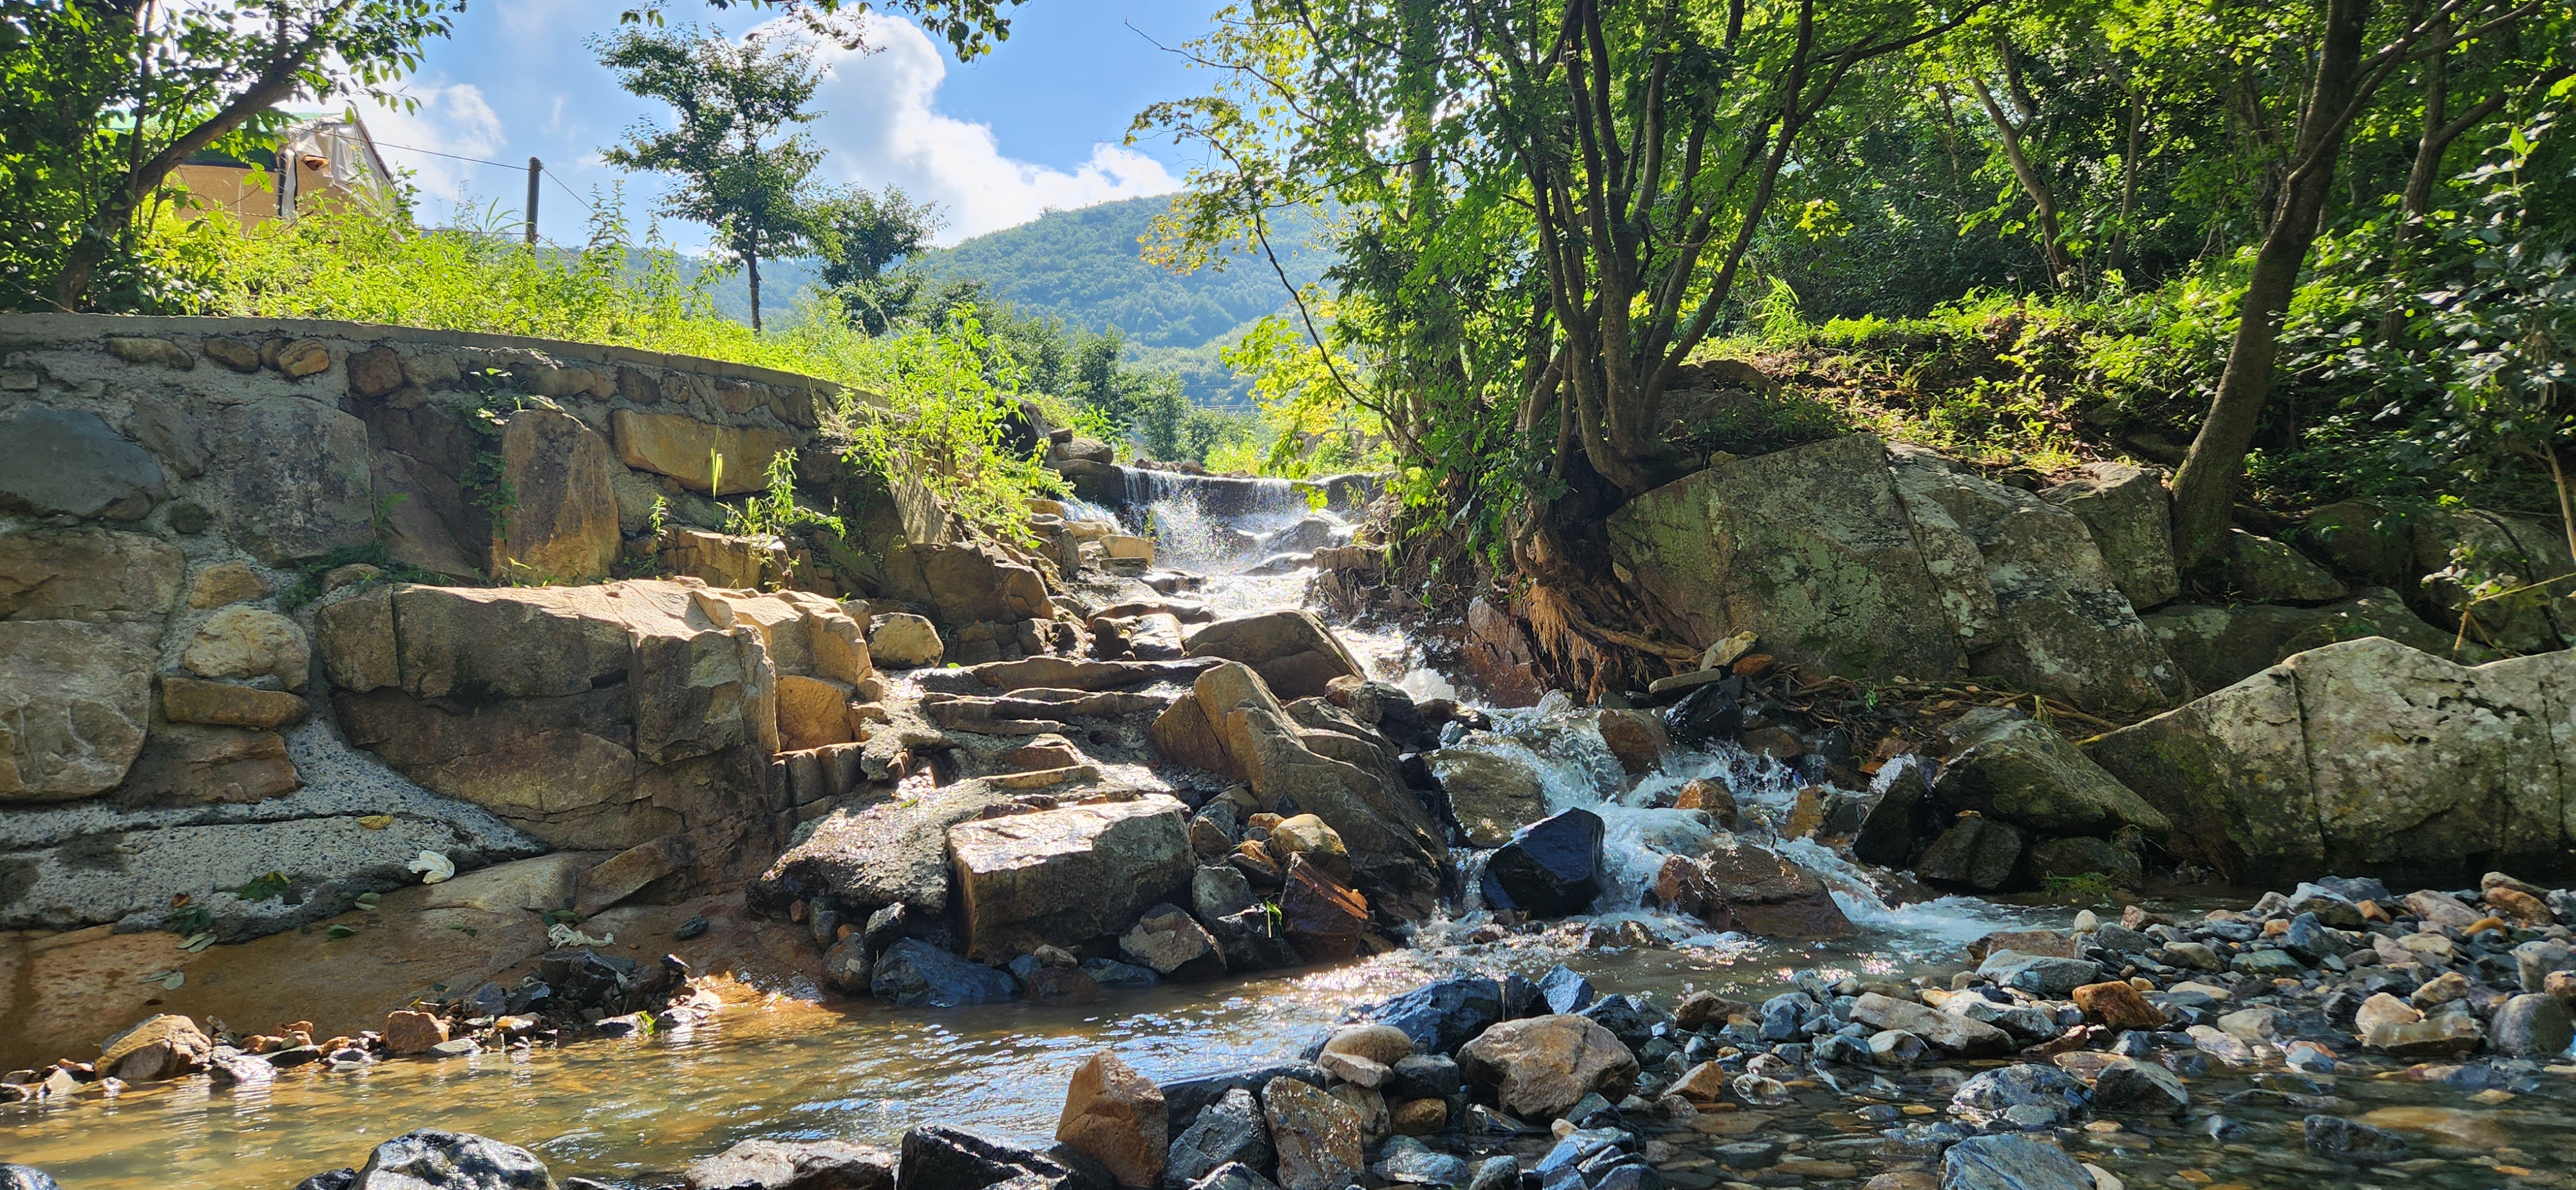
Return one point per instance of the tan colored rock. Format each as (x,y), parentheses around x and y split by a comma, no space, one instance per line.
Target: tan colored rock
(75,701)
(97,575)
(159,1047)
(226,582)
(1182,734)
(1420,1117)
(302,358)
(686,450)
(408,1033)
(1122,547)
(1069,873)
(812,713)
(1167,939)
(185,764)
(1948,1031)
(1368,1106)
(1309,836)
(561,520)
(900,640)
(248,642)
(1296,656)
(1042,752)
(1636,738)
(1540,1066)
(1385,1045)
(1704,1083)
(356,636)
(1317,1137)
(2119,1005)
(223,704)
(1115,1116)
(721,559)
(2520,908)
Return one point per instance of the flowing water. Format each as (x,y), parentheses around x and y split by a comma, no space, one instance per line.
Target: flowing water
(789,1068)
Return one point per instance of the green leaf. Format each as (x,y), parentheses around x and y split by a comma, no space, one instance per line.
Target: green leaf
(338,932)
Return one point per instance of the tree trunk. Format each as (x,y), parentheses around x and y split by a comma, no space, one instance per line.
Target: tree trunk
(2120,236)
(2042,198)
(2204,490)
(751,266)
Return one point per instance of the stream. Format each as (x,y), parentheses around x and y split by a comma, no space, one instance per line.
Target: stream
(788,1068)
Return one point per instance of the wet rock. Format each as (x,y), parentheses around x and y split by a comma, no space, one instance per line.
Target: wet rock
(1426,1076)
(1892,823)
(1766,894)
(1492,796)
(1563,991)
(1551,868)
(2127,1086)
(1167,939)
(1230,1130)
(2339,1139)
(2533,1025)
(1711,713)
(1542,1066)
(155,1048)
(1110,973)
(1682,887)
(2012,769)
(1291,649)
(2011,1163)
(1321,918)
(1114,1116)
(1408,1162)
(940,1157)
(849,964)
(913,972)
(1234,1176)
(1635,737)
(1439,1017)
(1316,1136)
(1979,853)
(1993,1093)
(1253,939)
(2085,857)
(2117,1004)
(27,1177)
(433,1160)
(1185,1098)
(1951,1032)
(794,1165)
(409,1033)
(2041,975)
(1072,872)
(1634,1020)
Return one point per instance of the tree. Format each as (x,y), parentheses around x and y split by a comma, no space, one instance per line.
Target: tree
(2343,82)
(738,175)
(102,99)
(859,233)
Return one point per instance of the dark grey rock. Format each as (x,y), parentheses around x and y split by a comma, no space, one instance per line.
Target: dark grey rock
(2040,975)
(2011,1163)
(1994,1092)
(2339,1139)
(2532,1026)
(1184,1099)
(1749,1154)
(67,462)
(1425,1076)
(28,1177)
(1253,940)
(1632,1019)
(915,973)
(2130,1086)
(939,1157)
(1409,1162)
(338,1179)
(1980,853)
(1231,1129)
(1110,973)
(1234,1177)
(1442,1016)
(433,1160)
(1496,1173)
(1551,868)
(1562,991)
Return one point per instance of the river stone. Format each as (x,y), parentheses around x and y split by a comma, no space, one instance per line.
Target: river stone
(1409,1162)
(1439,1017)
(913,972)
(67,462)
(1765,894)
(1309,837)
(2086,856)
(2533,1025)
(1069,873)
(429,1159)
(941,1157)
(1253,939)
(1185,1098)
(1550,868)
(77,699)
(2011,1163)
(1951,1032)
(1808,548)
(27,1177)
(2139,1087)
(1564,991)
(1992,1093)
(1292,650)
(2009,768)
(1114,1116)
(97,575)
(1234,1175)
(1219,891)
(794,1165)
(1980,853)
(1229,1130)
(561,522)
(2127,512)
(2040,975)
(1317,1137)
(1541,1066)
(155,1048)
(1491,795)
(1167,939)
(1322,918)
(2339,1139)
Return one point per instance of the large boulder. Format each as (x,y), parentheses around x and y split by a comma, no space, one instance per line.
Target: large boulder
(940,1157)
(75,701)
(1115,1116)
(1762,893)
(2363,755)
(289,478)
(968,582)
(1807,548)
(794,1165)
(155,1048)
(2010,768)
(429,1159)
(875,851)
(2034,604)
(69,462)
(560,522)
(2218,647)
(1067,874)
(1490,794)
(96,575)
(1540,1066)
(2128,513)
(1549,868)
(2258,569)
(692,451)
(1291,649)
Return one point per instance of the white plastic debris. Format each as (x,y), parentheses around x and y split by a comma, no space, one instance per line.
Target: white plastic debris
(563,934)
(433,867)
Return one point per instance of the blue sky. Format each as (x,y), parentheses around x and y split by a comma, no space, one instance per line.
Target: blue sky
(1035,124)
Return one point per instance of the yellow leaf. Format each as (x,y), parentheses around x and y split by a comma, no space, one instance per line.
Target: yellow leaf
(376,822)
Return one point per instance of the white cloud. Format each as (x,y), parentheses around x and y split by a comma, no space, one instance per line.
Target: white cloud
(453,118)
(881,127)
